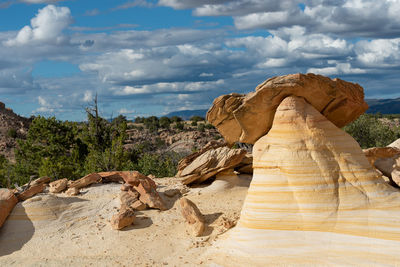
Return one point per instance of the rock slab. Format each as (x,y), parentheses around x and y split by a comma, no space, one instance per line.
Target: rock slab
(193,216)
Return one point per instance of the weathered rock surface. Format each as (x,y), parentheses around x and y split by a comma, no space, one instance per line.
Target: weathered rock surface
(122,219)
(72,191)
(31,191)
(247,118)
(375,153)
(193,217)
(114,176)
(86,181)
(41,180)
(183,163)
(390,167)
(312,185)
(58,186)
(7,202)
(210,163)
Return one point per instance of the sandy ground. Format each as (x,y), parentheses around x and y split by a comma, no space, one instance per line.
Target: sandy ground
(54,229)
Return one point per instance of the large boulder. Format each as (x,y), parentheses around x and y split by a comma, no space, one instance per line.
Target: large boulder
(246,118)
(314,199)
(7,202)
(210,163)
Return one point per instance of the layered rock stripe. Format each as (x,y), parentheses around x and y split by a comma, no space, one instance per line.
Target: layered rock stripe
(315,198)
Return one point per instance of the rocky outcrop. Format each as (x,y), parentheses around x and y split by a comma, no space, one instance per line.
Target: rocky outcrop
(193,217)
(210,163)
(375,153)
(247,118)
(312,183)
(7,202)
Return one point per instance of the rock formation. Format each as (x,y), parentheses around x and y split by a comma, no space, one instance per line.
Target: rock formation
(209,163)
(314,199)
(193,217)
(247,118)
(58,186)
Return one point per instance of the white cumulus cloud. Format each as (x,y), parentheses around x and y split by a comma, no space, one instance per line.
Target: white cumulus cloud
(46,27)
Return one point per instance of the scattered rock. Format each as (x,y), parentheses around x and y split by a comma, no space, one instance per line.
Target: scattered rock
(245,119)
(31,191)
(210,163)
(127,198)
(126,187)
(149,194)
(41,180)
(122,219)
(193,216)
(72,191)
(87,180)
(58,186)
(138,205)
(390,167)
(109,177)
(7,202)
(134,178)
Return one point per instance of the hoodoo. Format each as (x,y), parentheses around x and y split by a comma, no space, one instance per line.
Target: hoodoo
(314,199)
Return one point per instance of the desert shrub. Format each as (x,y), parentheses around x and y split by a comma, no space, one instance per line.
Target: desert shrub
(368,131)
(176,119)
(201,127)
(193,123)
(197,118)
(158,165)
(164,122)
(12,133)
(179,125)
(209,126)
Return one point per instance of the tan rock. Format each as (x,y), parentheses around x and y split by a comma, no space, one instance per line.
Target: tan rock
(138,205)
(183,163)
(247,118)
(41,180)
(58,186)
(390,167)
(122,219)
(133,178)
(126,187)
(72,191)
(375,153)
(193,216)
(31,191)
(210,163)
(312,183)
(127,198)
(86,181)
(149,194)
(7,202)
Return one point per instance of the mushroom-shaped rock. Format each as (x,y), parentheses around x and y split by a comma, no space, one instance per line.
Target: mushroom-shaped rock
(246,118)
(312,183)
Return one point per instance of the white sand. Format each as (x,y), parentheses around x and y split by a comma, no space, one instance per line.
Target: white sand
(55,230)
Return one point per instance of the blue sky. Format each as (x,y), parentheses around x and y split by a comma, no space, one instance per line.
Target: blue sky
(147,58)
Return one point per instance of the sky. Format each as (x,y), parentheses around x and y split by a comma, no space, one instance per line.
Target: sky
(146,58)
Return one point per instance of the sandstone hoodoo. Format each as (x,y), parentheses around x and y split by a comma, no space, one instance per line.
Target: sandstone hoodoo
(312,184)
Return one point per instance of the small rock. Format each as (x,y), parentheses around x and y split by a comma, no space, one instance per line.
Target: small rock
(41,180)
(127,199)
(122,219)
(31,191)
(58,186)
(193,216)
(149,195)
(72,191)
(87,180)
(138,205)
(126,187)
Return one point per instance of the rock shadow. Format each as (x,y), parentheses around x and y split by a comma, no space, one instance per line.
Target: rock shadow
(170,200)
(17,230)
(140,222)
(209,219)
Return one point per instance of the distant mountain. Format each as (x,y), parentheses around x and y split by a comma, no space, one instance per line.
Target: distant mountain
(384,106)
(187,114)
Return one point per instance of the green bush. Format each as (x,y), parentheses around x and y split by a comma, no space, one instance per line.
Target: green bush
(158,165)
(12,133)
(368,131)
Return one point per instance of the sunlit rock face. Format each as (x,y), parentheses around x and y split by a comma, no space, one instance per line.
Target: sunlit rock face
(314,199)
(246,118)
